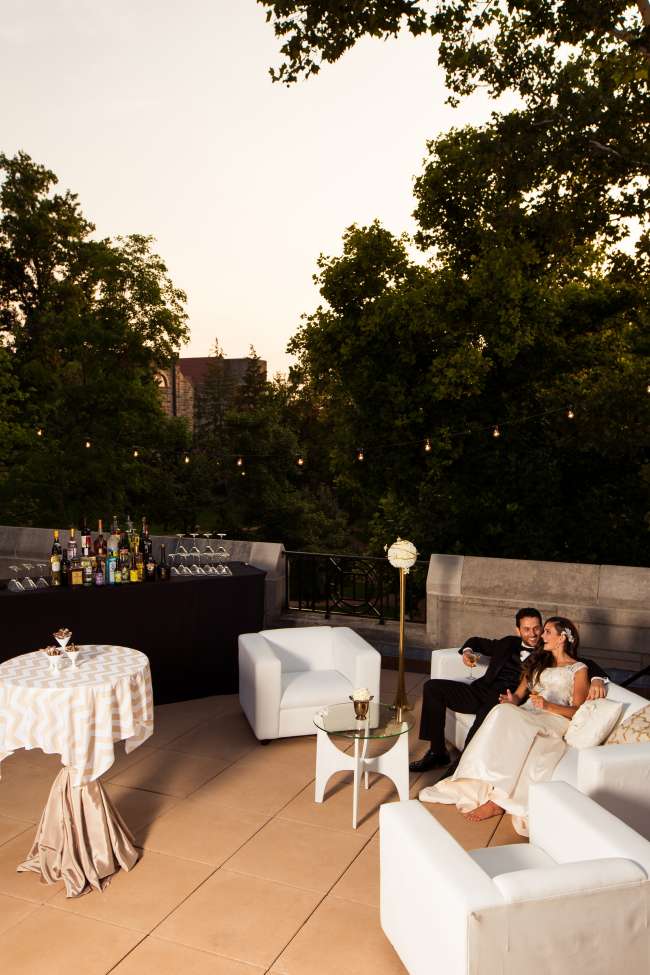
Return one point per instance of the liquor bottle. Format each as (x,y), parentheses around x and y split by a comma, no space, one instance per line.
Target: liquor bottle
(133,570)
(87,569)
(99,547)
(72,546)
(125,568)
(65,569)
(162,569)
(114,538)
(99,573)
(76,572)
(55,560)
(109,569)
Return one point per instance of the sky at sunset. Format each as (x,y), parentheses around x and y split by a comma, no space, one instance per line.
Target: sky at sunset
(162,116)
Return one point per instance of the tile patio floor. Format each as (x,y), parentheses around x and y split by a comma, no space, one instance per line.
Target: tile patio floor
(242,873)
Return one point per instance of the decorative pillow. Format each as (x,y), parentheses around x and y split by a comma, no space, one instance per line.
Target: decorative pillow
(592,723)
(634,728)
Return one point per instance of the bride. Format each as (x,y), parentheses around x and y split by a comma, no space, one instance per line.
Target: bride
(522,739)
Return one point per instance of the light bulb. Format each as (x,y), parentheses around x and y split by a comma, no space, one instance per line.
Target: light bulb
(88,445)
(360,454)
(136,453)
(187,458)
(240,462)
(570,414)
(496,432)
(427,445)
(39,432)
(300,461)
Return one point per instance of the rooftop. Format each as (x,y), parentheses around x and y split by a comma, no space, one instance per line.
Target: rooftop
(241,873)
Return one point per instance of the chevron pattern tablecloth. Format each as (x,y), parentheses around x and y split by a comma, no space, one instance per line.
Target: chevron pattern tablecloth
(77,713)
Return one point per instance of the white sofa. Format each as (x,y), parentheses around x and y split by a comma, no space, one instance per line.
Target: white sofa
(286,675)
(573,901)
(616,776)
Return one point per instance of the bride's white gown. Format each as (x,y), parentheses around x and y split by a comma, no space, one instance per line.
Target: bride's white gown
(513,748)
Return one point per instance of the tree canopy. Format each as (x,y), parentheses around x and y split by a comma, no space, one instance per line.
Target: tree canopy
(84,324)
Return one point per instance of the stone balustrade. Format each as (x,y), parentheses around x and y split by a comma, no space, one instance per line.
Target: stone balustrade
(610,604)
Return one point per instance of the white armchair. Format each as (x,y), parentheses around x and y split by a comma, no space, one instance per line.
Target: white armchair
(573,901)
(286,675)
(616,776)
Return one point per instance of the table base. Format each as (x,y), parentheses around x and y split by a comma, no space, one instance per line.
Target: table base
(81,838)
(330,759)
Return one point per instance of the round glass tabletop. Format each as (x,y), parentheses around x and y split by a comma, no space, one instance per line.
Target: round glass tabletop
(382,721)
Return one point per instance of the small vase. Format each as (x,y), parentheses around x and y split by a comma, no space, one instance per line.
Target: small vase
(361,708)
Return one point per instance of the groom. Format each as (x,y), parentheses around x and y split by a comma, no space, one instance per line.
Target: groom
(480,696)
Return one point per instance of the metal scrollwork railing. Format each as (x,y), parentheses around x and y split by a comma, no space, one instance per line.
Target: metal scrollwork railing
(352,585)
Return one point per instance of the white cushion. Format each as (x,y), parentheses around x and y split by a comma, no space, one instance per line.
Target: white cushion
(496,860)
(307,688)
(592,723)
(568,878)
(301,647)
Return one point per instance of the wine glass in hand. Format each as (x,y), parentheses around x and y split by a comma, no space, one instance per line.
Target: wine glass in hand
(470,659)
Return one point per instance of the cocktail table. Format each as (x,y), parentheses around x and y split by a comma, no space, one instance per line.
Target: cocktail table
(383,722)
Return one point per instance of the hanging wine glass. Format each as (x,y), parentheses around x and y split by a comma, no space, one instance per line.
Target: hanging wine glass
(28,582)
(14,584)
(41,582)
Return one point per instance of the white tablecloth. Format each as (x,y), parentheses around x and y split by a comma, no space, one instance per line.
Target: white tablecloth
(77,714)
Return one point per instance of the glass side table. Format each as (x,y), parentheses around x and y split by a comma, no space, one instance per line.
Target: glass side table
(338,720)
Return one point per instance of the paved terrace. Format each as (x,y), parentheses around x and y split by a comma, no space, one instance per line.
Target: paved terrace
(241,873)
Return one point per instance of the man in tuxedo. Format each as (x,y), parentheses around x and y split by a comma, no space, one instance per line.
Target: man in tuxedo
(480,696)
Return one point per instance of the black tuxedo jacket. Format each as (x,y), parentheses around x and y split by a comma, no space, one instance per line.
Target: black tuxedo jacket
(506,650)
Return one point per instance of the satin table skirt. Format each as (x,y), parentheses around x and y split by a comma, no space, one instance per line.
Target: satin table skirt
(81,838)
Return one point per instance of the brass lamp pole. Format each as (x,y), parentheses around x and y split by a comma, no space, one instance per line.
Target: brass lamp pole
(402,555)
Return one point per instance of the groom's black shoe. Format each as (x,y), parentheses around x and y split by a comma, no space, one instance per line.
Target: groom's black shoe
(430,760)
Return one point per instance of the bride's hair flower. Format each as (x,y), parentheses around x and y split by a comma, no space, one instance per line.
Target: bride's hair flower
(568,634)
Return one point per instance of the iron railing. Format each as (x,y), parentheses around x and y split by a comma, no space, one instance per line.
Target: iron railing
(353,585)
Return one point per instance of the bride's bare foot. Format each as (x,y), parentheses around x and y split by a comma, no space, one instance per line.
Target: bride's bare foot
(486,811)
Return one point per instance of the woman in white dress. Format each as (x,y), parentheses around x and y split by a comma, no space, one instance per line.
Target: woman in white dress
(522,739)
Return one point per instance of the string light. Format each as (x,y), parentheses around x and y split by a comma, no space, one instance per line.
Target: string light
(186,459)
(360,454)
(87,445)
(39,432)
(136,452)
(647,389)
(243,473)
(427,445)
(300,461)
(240,462)
(570,414)
(496,432)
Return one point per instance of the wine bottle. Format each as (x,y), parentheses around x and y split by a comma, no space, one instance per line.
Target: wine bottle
(162,569)
(86,541)
(65,569)
(55,560)
(99,547)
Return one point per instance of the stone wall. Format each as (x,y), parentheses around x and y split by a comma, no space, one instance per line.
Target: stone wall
(610,604)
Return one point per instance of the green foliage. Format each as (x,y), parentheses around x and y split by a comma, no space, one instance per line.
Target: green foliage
(85,323)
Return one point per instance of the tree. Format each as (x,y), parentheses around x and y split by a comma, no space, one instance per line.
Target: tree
(582,72)
(86,322)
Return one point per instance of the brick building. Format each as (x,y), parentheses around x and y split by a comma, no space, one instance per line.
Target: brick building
(180,383)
